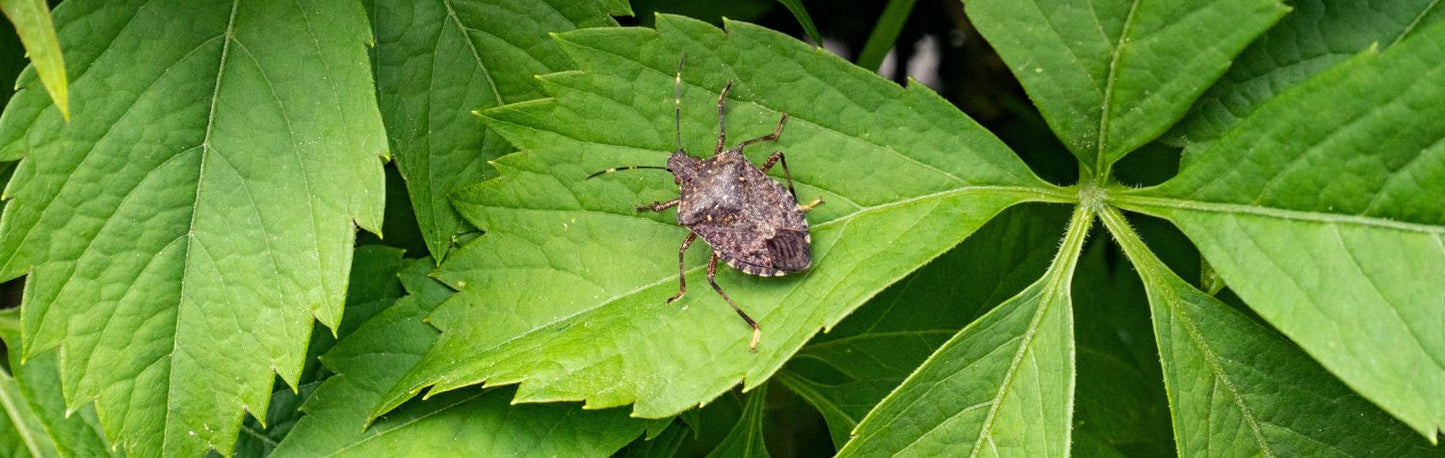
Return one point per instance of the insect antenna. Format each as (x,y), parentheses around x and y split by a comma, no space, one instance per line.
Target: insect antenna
(625,167)
(676,119)
(677,100)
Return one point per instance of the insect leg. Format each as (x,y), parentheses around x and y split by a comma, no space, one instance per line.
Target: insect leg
(810,205)
(777,156)
(769,137)
(722,130)
(681,278)
(711,274)
(660,206)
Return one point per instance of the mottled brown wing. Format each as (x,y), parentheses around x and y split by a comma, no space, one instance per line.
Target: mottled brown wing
(765,235)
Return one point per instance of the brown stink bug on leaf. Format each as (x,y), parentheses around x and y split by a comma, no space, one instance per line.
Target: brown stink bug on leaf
(752,223)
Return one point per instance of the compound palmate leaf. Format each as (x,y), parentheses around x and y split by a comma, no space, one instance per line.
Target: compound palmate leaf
(1335,230)
(184,228)
(565,293)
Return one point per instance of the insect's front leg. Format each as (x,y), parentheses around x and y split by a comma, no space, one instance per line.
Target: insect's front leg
(777,157)
(722,130)
(659,206)
(766,138)
(681,271)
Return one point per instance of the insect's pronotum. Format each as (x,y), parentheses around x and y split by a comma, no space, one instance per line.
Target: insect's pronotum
(752,223)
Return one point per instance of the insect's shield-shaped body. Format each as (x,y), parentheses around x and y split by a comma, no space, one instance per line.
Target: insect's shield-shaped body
(752,222)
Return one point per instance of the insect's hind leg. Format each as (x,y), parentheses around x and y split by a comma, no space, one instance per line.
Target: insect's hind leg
(681,270)
(711,279)
(777,157)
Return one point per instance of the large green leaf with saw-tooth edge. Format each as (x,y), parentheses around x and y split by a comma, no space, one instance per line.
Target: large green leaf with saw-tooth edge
(564,294)
(1335,232)
(182,231)
(436,62)
(1111,75)
(1239,389)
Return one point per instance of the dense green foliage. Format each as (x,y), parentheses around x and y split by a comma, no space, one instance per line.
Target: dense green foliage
(1234,247)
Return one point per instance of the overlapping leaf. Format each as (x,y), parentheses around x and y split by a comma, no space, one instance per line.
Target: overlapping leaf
(845,372)
(1238,389)
(1109,76)
(1325,211)
(746,438)
(436,62)
(184,228)
(34,421)
(1315,35)
(565,293)
(32,23)
(1002,385)
(381,350)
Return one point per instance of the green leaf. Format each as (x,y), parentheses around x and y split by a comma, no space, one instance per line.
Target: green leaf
(1004,384)
(884,34)
(1238,389)
(32,23)
(1110,76)
(380,351)
(1334,231)
(746,437)
(436,61)
(845,372)
(1316,35)
(565,294)
(183,230)
(34,408)
(801,13)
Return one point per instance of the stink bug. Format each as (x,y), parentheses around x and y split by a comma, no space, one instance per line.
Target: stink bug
(752,223)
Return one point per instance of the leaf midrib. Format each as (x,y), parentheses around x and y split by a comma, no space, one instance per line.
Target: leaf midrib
(1144,204)
(1055,292)
(205,152)
(1101,163)
(1174,302)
